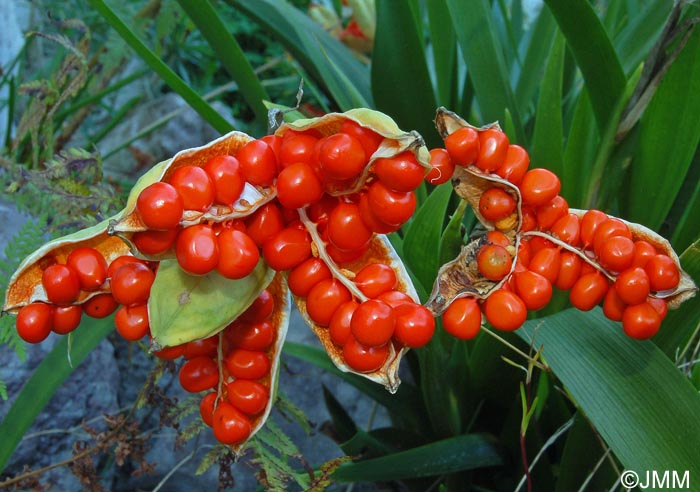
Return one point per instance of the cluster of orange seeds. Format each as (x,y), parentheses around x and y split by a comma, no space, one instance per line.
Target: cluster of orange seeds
(537,243)
(306,208)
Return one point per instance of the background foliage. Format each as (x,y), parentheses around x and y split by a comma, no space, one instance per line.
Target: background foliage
(605,94)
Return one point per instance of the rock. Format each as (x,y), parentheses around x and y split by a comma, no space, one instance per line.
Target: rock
(184,130)
(88,394)
(14,20)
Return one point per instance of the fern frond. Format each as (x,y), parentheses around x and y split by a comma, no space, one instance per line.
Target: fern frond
(211,458)
(276,439)
(291,412)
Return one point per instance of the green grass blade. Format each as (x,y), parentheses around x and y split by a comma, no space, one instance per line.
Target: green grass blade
(511,32)
(483,54)
(45,381)
(548,137)
(336,80)
(401,83)
(406,397)
(580,151)
(636,39)
(582,451)
(229,53)
(453,235)
(159,67)
(312,47)
(606,165)
(594,53)
(421,245)
(115,119)
(465,452)
(688,227)
(444,47)
(343,425)
(669,135)
(539,42)
(639,402)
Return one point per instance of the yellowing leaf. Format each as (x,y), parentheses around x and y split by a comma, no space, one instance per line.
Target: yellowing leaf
(185,307)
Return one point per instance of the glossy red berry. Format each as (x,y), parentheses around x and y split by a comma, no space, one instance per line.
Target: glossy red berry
(287,249)
(533,289)
(160,206)
(414,326)
(230,425)
(265,223)
(569,270)
(61,284)
(132,322)
(607,229)
(252,336)
(227,177)
(362,358)
(298,186)
(154,242)
(391,207)
(588,291)
(261,308)
(632,285)
(238,254)
(339,327)
(496,204)
(206,408)
(515,165)
(205,347)
(368,138)
(249,397)
(324,298)
(131,284)
(663,273)
(375,279)
(258,163)
(66,318)
(373,323)
(346,230)
(463,146)
(199,374)
(641,321)
(297,148)
(493,148)
(539,186)
(613,305)
(341,157)
(546,262)
(441,167)
(463,318)
(100,306)
(303,277)
(504,310)
(197,249)
(494,262)
(34,322)
(568,229)
(247,364)
(194,186)
(590,222)
(401,172)
(551,212)
(90,266)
